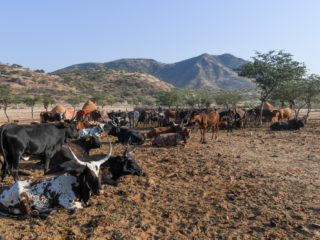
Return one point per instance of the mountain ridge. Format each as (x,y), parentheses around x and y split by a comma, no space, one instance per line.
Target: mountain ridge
(203,71)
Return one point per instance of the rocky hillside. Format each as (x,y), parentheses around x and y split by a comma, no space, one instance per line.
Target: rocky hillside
(119,83)
(30,83)
(204,71)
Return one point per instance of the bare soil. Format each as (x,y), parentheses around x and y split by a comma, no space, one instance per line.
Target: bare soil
(249,184)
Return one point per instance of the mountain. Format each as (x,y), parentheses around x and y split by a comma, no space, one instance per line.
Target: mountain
(204,71)
(122,84)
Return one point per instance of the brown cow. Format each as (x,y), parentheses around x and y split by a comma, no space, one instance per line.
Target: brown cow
(172,129)
(203,121)
(170,114)
(84,125)
(172,139)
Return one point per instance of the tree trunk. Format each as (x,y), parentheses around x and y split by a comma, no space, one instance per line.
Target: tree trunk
(32,112)
(308,112)
(5,112)
(261,111)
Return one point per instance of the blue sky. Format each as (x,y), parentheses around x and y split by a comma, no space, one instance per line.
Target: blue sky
(43,34)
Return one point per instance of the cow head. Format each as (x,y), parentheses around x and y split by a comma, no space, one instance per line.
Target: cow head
(90,180)
(299,123)
(129,164)
(71,131)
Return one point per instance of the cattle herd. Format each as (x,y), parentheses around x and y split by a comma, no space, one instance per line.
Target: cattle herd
(63,140)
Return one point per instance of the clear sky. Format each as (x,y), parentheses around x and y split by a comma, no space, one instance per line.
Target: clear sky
(43,34)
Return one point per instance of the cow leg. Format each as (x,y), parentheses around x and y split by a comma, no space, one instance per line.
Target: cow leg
(47,158)
(13,162)
(217,131)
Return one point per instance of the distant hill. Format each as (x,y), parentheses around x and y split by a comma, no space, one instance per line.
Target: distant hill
(30,83)
(121,84)
(204,71)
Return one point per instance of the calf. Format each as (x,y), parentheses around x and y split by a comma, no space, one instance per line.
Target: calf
(44,194)
(126,136)
(294,124)
(171,139)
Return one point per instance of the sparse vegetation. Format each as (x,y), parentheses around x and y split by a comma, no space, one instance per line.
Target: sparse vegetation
(271,71)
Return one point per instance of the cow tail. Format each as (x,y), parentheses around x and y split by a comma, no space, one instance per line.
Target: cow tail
(4,167)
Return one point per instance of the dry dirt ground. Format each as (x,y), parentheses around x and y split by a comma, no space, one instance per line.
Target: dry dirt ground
(250,184)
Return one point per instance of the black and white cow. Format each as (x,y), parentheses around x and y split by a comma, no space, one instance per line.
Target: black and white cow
(72,191)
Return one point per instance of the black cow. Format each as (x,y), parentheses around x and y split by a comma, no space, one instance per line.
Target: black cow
(81,147)
(294,124)
(133,118)
(119,166)
(126,136)
(47,117)
(120,115)
(45,139)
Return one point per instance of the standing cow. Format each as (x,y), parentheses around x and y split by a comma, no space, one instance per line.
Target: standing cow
(45,139)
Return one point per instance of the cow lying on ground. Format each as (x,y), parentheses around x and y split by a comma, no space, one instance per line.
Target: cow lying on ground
(172,139)
(81,147)
(124,135)
(119,166)
(160,130)
(89,132)
(111,170)
(43,139)
(38,195)
(294,124)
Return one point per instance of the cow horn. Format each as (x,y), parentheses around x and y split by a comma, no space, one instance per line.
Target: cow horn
(175,124)
(113,123)
(107,157)
(76,158)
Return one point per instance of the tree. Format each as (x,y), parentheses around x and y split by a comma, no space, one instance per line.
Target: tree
(30,102)
(229,98)
(74,101)
(110,100)
(203,98)
(170,98)
(103,99)
(270,71)
(190,98)
(6,98)
(46,101)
